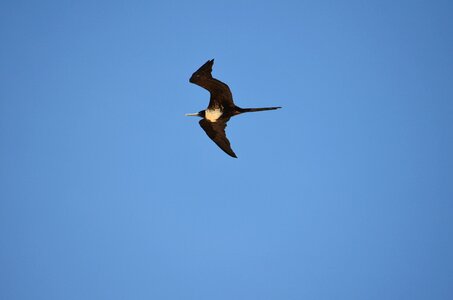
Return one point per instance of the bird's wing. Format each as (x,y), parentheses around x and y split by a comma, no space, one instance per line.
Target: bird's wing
(216,131)
(220,92)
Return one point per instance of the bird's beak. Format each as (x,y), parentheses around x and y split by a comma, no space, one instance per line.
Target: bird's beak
(192,115)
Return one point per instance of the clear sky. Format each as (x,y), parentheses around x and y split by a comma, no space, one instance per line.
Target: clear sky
(107,191)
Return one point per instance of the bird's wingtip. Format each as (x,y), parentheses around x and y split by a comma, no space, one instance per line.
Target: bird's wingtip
(230,152)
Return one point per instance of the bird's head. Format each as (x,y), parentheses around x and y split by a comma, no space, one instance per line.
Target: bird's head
(198,114)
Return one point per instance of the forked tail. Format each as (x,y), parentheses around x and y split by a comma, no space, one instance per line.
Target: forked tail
(244,110)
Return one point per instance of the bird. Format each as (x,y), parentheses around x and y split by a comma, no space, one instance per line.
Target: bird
(220,109)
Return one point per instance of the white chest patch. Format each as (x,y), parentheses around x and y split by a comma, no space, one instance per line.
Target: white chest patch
(213,114)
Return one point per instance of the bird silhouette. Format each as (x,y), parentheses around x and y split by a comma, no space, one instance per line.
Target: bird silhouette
(220,109)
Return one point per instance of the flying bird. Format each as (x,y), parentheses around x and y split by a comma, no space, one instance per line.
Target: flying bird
(220,109)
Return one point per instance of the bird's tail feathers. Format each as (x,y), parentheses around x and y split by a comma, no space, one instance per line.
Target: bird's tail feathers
(244,110)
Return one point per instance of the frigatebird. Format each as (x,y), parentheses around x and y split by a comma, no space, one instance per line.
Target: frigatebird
(220,109)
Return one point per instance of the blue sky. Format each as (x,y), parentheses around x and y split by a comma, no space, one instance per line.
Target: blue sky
(107,191)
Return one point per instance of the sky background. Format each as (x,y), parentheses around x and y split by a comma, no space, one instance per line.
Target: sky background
(107,191)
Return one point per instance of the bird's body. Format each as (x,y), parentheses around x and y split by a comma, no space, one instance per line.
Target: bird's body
(220,109)
(213,115)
